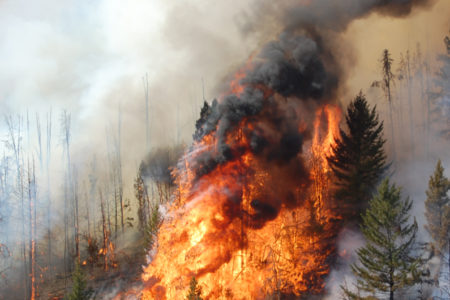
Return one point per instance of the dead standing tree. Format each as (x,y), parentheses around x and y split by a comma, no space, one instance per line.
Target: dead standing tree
(66,139)
(14,143)
(388,80)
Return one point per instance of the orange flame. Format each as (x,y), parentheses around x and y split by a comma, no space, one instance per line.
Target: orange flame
(231,259)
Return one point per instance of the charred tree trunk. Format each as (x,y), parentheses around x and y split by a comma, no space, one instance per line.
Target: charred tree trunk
(76,218)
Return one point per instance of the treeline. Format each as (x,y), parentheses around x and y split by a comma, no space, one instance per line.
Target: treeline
(393,263)
(415,101)
(56,212)
(51,221)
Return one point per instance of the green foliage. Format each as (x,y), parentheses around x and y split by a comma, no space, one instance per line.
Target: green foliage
(387,263)
(79,287)
(152,227)
(358,161)
(195,291)
(437,208)
(140,192)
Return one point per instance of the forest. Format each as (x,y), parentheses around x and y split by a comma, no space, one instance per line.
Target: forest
(256,151)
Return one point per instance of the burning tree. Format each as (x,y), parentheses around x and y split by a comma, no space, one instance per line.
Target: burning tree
(240,229)
(253,216)
(195,291)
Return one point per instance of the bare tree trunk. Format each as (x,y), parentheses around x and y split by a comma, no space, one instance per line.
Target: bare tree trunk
(410,105)
(87,207)
(113,179)
(76,217)
(119,163)
(67,191)
(423,101)
(105,230)
(49,202)
(15,138)
(147,125)
(427,82)
(391,120)
(32,229)
(92,189)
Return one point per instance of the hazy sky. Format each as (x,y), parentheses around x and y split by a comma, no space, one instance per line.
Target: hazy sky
(89,57)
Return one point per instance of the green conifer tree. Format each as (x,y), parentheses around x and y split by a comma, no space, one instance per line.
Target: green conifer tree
(437,208)
(79,288)
(152,227)
(358,161)
(387,262)
(195,291)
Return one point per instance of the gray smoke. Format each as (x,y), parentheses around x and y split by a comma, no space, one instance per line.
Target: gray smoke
(301,66)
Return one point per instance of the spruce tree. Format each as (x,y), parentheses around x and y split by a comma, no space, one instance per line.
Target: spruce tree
(437,208)
(387,262)
(79,288)
(358,161)
(195,291)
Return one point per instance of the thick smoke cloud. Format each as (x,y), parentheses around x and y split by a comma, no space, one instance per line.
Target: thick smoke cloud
(337,16)
(299,67)
(294,65)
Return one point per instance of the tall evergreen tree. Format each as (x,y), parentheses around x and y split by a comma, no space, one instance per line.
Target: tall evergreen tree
(195,291)
(437,213)
(437,208)
(358,160)
(387,263)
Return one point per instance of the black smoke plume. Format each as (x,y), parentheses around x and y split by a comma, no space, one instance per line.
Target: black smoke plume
(300,69)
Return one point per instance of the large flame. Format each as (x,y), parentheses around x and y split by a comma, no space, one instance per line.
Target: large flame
(212,230)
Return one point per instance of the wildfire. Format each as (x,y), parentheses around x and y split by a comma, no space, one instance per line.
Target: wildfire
(215,232)
(330,117)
